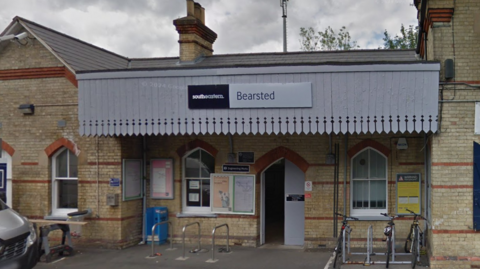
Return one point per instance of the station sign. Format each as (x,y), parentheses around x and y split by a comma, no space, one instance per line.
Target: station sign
(266,95)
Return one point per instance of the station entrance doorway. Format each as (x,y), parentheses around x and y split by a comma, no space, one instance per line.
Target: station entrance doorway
(282,204)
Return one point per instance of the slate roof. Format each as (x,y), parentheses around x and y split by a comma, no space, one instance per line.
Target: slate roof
(282,59)
(78,54)
(83,57)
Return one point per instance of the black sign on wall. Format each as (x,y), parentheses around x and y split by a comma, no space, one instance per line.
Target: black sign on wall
(236,168)
(246,157)
(208,96)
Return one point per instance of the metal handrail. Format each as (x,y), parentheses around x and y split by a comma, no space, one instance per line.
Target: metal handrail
(213,239)
(183,236)
(153,233)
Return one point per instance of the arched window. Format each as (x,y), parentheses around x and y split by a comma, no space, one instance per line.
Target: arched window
(64,183)
(369,183)
(197,167)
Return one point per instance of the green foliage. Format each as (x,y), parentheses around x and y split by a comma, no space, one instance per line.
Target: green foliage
(407,40)
(326,40)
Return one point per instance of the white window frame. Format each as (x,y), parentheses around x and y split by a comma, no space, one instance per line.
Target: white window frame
(193,209)
(7,159)
(368,212)
(56,211)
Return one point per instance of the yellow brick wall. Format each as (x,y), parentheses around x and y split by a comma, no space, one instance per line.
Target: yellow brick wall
(458,40)
(30,135)
(452,180)
(453,243)
(318,209)
(33,55)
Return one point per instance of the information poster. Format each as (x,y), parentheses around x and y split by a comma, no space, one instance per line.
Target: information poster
(408,193)
(161,183)
(132,179)
(222,193)
(233,194)
(244,194)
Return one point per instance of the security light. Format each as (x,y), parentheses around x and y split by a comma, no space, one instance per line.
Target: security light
(14,37)
(21,36)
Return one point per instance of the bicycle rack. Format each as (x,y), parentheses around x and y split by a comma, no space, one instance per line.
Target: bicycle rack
(370,252)
(183,258)
(394,254)
(346,243)
(369,244)
(153,233)
(212,260)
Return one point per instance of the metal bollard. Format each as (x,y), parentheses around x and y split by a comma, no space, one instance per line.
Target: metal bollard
(212,260)
(153,233)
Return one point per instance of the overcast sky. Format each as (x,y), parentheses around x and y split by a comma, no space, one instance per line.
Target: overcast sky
(143,28)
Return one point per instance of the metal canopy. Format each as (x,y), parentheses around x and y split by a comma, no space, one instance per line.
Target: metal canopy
(398,98)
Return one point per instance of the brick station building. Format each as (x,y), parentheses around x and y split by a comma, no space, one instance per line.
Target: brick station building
(270,143)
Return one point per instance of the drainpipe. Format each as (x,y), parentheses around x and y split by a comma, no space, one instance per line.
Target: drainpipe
(420,25)
(427,178)
(98,178)
(144,209)
(345,177)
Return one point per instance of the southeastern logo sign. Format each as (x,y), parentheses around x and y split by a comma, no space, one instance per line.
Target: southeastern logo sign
(268,95)
(208,96)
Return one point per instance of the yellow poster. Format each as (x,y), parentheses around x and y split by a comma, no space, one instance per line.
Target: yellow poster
(408,193)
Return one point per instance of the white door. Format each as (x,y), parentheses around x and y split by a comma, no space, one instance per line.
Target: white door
(294,205)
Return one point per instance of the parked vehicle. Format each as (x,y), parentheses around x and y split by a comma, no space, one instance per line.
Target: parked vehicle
(18,240)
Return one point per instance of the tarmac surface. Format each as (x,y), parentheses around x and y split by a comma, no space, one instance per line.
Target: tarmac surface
(274,256)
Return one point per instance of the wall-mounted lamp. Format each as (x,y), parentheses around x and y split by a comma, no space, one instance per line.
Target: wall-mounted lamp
(27,109)
(402,143)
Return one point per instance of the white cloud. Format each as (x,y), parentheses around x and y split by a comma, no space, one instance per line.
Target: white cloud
(144,28)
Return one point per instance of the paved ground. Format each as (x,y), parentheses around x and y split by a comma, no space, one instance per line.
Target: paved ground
(240,258)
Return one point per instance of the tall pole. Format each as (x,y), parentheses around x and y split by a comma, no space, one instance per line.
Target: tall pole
(283,4)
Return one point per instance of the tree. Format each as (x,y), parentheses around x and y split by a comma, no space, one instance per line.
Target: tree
(407,40)
(326,40)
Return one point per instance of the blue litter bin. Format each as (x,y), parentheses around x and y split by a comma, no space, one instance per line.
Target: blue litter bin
(156,215)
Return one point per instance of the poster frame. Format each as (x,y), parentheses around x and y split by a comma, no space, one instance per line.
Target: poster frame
(125,180)
(231,187)
(419,193)
(169,180)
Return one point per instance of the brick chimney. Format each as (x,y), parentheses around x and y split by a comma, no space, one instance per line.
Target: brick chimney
(196,39)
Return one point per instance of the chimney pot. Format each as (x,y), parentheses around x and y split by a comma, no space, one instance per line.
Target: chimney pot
(198,12)
(202,15)
(190,8)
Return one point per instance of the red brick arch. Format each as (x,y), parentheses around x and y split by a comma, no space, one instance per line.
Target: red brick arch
(197,143)
(62,142)
(9,149)
(278,153)
(368,143)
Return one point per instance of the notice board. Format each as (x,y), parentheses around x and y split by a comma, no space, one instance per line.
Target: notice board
(132,179)
(232,194)
(408,193)
(162,182)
